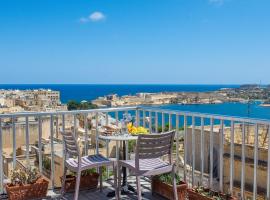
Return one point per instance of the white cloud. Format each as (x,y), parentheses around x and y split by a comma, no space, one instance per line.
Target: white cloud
(93,17)
(97,16)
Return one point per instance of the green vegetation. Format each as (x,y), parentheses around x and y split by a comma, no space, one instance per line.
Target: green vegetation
(93,170)
(167,178)
(167,127)
(211,194)
(131,146)
(46,163)
(85,105)
(24,176)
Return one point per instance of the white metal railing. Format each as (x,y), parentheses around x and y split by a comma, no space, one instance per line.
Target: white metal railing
(158,119)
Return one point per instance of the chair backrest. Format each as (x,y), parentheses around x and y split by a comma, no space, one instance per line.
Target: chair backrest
(71,145)
(155,145)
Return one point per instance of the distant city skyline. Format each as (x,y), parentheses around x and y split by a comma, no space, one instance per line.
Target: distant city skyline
(135,42)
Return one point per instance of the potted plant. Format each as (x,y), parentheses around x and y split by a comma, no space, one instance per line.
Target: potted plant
(201,193)
(26,184)
(163,185)
(89,180)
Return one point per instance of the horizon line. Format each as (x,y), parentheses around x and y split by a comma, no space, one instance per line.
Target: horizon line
(214,84)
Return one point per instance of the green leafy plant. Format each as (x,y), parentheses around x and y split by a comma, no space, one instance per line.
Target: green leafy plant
(167,178)
(131,145)
(24,176)
(211,194)
(88,172)
(18,177)
(91,171)
(46,163)
(32,175)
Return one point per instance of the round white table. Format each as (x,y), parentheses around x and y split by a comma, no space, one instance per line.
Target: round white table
(121,138)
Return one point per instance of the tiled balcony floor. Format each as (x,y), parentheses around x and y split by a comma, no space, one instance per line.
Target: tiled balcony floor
(97,195)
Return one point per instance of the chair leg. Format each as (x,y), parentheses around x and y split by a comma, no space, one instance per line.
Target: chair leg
(139,193)
(174,183)
(152,191)
(100,180)
(115,182)
(63,182)
(119,175)
(77,188)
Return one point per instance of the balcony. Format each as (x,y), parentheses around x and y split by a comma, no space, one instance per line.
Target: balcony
(225,153)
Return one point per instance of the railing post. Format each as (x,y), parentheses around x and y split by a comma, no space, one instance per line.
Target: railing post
(156,121)
(86,145)
(40,144)
(14,141)
(52,151)
(97,134)
(177,141)
(170,122)
(255,162)
(193,151)
(64,150)
(221,153)
(107,144)
(27,140)
(117,155)
(163,122)
(117,118)
(185,148)
(202,150)
(144,115)
(75,126)
(1,159)
(126,146)
(57,127)
(243,162)
(232,157)
(268,165)
(137,117)
(211,152)
(150,121)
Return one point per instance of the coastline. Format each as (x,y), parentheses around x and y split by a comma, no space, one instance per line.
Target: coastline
(265,105)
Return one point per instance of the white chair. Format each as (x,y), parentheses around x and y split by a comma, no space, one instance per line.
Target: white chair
(150,148)
(75,163)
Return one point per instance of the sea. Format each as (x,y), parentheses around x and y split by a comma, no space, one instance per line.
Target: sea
(89,92)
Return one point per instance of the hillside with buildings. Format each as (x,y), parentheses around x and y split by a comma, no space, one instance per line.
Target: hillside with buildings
(30,100)
(242,94)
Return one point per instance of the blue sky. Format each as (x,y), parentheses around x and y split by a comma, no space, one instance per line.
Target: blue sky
(135,41)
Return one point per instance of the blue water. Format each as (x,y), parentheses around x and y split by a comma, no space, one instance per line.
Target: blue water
(254,111)
(231,109)
(89,92)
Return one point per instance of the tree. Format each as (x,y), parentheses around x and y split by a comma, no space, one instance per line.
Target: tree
(72,105)
(86,105)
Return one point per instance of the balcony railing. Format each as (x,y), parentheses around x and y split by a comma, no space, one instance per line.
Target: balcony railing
(216,151)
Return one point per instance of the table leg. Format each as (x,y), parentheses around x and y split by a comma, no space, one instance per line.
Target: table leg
(124,169)
(112,194)
(125,185)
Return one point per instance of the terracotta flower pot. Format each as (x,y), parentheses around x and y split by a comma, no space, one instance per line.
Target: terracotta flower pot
(193,195)
(87,182)
(29,191)
(166,190)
